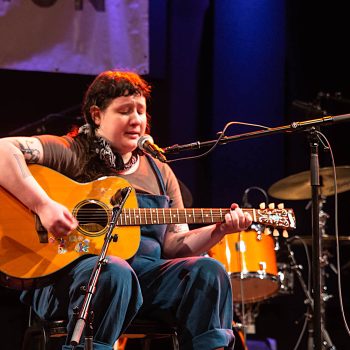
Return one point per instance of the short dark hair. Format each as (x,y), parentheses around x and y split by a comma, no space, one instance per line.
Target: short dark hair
(109,85)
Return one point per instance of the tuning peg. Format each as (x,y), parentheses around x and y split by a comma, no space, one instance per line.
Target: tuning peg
(267,231)
(285,234)
(272,206)
(280,206)
(262,205)
(275,233)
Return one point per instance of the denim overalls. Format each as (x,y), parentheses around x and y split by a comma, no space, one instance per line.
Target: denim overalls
(194,293)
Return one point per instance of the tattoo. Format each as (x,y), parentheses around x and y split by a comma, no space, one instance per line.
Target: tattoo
(177,228)
(24,170)
(30,154)
(181,228)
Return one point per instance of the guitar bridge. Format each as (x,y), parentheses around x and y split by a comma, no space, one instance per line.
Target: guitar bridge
(40,230)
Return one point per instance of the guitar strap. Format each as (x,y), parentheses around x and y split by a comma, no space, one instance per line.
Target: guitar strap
(157,173)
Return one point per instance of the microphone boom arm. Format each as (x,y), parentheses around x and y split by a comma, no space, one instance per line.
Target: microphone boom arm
(293,127)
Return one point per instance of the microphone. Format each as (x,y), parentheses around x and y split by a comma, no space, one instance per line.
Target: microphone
(147,145)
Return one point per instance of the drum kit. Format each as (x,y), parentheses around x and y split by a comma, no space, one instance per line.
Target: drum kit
(255,273)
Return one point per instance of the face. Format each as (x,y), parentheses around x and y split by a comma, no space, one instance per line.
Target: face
(122,123)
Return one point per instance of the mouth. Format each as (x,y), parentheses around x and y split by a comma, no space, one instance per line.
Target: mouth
(133,135)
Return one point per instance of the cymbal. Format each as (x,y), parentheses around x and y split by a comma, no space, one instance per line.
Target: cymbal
(298,186)
(325,239)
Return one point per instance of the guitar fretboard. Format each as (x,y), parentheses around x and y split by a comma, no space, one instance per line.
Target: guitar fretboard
(145,216)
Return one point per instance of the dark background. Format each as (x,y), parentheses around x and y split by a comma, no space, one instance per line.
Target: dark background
(212,62)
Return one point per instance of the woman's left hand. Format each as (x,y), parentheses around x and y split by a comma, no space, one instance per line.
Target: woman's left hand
(236,220)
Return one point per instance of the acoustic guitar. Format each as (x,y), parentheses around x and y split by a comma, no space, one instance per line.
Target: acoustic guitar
(29,254)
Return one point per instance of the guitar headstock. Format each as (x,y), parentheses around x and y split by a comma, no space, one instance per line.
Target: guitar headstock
(279,217)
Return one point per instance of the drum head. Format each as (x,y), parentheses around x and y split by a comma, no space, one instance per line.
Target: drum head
(251,288)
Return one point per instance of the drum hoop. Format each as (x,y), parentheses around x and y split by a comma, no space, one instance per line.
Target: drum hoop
(259,275)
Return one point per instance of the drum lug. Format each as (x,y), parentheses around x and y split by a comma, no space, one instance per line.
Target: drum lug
(262,268)
(240,246)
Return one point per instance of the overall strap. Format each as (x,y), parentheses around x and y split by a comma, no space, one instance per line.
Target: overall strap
(157,173)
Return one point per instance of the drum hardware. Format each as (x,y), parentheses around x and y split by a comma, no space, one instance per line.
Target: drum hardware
(245,317)
(286,279)
(240,247)
(249,320)
(261,229)
(324,263)
(240,337)
(327,342)
(326,240)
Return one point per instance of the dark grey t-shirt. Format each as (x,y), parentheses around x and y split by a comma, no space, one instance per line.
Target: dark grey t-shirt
(65,155)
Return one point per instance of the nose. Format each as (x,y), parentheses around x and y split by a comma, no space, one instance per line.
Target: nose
(135,117)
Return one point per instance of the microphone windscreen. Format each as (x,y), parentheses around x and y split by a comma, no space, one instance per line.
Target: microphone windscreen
(143,139)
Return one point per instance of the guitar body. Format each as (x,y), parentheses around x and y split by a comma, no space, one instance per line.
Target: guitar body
(24,258)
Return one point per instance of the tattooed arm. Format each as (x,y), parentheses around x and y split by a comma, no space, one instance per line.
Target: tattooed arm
(15,177)
(31,149)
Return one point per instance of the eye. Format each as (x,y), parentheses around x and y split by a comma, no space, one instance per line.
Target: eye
(141,111)
(124,111)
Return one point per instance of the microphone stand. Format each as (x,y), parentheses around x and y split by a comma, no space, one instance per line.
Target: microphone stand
(316,241)
(85,314)
(310,127)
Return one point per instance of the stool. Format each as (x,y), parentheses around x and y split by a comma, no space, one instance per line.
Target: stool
(51,335)
(44,335)
(149,330)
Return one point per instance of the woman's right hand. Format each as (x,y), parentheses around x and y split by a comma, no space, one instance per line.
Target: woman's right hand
(56,218)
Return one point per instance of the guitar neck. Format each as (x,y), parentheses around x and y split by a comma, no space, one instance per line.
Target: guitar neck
(281,218)
(146,216)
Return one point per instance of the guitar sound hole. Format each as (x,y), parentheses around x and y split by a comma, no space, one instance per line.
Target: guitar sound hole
(92,218)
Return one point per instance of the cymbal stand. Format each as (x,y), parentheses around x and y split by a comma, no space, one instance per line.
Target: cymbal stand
(324,262)
(327,342)
(325,254)
(323,216)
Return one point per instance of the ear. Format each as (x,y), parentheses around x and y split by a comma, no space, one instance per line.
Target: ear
(95,115)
